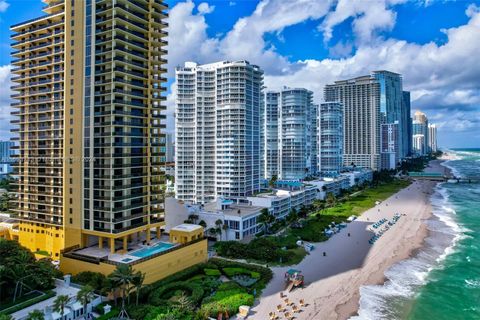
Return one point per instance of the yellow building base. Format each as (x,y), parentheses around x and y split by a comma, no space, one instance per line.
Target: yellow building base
(46,238)
(155,268)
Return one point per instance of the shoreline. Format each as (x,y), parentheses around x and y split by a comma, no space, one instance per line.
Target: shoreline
(332,289)
(350,308)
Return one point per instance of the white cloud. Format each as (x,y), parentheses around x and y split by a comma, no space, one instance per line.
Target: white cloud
(368,17)
(205,8)
(4,5)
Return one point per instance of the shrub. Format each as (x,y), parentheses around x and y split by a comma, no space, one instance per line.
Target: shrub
(212,272)
(265,273)
(139,312)
(160,295)
(229,301)
(112,314)
(94,279)
(28,303)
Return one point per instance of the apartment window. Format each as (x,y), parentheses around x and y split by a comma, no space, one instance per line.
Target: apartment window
(71,191)
(71,109)
(71,92)
(71,71)
(72,33)
(72,62)
(71,220)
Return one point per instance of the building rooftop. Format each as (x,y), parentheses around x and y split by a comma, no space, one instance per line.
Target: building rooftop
(186,227)
(240,210)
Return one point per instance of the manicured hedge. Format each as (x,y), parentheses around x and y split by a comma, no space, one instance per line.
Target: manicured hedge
(265,273)
(212,272)
(161,294)
(230,272)
(226,301)
(112,314)
(28,303)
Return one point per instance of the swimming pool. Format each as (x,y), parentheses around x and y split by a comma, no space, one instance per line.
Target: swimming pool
(145,252)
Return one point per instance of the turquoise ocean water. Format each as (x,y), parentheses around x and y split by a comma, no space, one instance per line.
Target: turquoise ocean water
(442,280)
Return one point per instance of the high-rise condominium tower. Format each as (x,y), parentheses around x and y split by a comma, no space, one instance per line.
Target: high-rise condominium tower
(393,110)
(420,128)
(270,138)
(289,134)
(330,138)
(369,102)
(408,123)
(88,81)
(361,119)
(218,134)
(432,137)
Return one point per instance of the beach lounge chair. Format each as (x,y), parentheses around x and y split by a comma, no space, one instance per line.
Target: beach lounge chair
(280,308)
(288,315)
(295,308)
(272,316)
(287,301)
(302,303)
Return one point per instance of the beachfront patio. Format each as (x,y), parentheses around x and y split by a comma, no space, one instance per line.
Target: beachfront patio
(132,248)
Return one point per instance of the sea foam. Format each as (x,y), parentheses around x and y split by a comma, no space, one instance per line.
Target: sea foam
(404,278)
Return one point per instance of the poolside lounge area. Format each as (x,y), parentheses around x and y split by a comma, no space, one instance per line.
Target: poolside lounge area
(157,257)
(136,250)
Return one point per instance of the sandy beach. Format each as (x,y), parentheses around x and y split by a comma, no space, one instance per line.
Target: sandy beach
(332,282)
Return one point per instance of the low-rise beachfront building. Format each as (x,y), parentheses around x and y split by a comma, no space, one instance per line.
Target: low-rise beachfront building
(73,309)
(359,176)
(238,220)
(328,185)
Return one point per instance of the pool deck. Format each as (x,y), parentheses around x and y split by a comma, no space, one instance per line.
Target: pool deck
(96,252)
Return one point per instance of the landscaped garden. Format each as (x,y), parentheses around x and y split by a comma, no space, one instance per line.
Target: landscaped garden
(202,291)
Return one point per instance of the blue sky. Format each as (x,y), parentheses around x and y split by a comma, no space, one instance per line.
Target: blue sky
(309,43)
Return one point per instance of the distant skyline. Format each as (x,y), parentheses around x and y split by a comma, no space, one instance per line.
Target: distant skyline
(433,44)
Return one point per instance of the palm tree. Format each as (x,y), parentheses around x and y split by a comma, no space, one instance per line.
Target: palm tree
(122,277)
(193,218)
(265,219)
(85,296)
(219,224)
(330,199)
(35,315)
(60,303)
(183,303)
(212,232)
(225,228)
(272,181)
(137,282)
(292,216)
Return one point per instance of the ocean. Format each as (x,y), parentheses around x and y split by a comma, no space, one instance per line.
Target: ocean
(442,280)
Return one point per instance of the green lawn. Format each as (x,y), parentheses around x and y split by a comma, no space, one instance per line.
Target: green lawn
(356,205)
